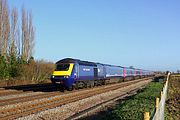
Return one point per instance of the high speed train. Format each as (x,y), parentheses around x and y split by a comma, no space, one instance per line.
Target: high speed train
(74,73)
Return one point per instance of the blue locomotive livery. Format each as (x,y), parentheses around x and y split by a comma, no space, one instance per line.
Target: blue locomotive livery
(73,73)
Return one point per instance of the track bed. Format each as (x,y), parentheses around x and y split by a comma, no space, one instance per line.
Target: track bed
(44,104)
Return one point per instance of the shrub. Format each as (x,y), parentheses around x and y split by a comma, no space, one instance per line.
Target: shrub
(36,71)
(4,73)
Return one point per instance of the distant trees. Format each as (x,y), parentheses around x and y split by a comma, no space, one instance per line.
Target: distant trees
(16,39)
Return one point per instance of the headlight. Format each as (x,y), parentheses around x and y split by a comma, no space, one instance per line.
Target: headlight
(66,76)
(52,76)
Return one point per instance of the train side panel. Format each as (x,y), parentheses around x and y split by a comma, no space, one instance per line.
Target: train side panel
(86,72)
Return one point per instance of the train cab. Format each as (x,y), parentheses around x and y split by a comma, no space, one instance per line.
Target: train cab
(64,74)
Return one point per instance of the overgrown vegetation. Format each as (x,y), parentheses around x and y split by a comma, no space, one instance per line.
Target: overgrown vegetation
(37,71)
(133,108)
(17,40)
(173,102)
(31,71)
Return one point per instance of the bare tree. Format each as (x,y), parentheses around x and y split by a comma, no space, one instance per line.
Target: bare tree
(24,34)
(4,28)
(14,40)
(28,35)
(1,40)
(31,36)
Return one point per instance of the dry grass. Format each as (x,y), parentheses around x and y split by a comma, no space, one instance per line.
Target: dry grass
(37,71)
(173,101)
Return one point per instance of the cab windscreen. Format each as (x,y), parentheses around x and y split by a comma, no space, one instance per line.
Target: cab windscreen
(62,67)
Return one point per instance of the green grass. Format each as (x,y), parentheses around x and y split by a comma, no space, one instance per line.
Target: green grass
(133,108)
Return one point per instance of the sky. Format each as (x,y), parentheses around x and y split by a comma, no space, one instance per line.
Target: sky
(140,33)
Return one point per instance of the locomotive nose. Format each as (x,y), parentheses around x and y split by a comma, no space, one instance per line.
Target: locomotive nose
(62,74)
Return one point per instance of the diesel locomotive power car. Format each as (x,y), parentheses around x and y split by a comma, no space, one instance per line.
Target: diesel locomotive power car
(73,73)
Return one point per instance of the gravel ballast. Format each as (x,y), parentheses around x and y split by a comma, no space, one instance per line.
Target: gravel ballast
(65,111)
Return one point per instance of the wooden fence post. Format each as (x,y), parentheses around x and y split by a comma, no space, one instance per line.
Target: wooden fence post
(146,116)
(157,103)
(161,94)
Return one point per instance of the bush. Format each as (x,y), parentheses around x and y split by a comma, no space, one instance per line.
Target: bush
(4,73)
(36,71)
(9,67)
(13,66)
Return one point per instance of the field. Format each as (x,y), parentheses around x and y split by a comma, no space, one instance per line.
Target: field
(173,101)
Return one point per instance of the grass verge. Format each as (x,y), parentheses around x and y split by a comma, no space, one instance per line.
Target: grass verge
(133,108)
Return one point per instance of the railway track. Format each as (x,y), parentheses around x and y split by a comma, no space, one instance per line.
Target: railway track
(15,90)
(27,98)
(33,87)
(40,104)
(10,92)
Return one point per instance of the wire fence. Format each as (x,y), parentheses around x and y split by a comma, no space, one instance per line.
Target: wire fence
(160,104)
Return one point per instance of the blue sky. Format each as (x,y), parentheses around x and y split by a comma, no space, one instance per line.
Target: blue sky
(140,33)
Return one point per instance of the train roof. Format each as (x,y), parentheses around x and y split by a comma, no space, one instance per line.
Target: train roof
(80,62)
(112,65)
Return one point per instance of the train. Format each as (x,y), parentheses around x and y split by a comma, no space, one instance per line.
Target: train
(74,73)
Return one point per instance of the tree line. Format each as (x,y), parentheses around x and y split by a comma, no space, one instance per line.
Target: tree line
(17,41)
